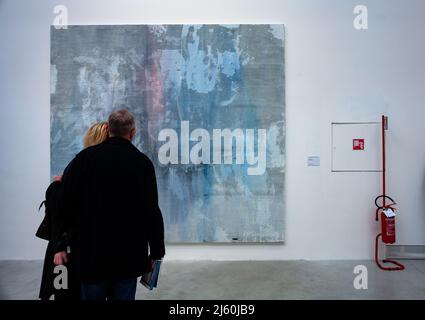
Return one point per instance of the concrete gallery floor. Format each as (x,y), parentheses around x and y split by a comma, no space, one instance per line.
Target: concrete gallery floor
(248,280)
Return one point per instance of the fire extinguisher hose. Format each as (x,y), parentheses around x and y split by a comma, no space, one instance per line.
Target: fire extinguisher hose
(384,205)
(383,198)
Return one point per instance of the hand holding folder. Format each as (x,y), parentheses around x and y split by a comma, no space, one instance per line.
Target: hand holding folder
(150,278)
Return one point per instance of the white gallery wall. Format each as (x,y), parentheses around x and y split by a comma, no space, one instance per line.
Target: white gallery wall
(334,73)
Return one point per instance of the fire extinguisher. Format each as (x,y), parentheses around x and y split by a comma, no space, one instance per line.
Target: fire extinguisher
(386,213)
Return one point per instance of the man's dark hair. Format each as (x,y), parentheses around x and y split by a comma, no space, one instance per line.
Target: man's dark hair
(121,122)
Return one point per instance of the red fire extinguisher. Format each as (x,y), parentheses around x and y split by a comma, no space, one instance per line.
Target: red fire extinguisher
(387,219)
(386,213)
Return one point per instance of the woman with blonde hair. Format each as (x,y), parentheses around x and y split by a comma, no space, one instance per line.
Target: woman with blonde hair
(96,134)
(49,229)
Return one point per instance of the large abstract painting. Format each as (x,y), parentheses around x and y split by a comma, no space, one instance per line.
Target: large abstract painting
(209,102)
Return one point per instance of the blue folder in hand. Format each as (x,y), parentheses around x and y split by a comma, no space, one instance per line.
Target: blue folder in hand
(150,279)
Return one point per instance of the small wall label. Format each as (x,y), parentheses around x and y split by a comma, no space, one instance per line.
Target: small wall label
(313,161)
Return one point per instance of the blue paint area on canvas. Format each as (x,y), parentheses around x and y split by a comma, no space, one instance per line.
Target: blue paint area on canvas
(214,77)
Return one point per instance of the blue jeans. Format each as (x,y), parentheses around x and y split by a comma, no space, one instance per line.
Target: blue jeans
(112,290)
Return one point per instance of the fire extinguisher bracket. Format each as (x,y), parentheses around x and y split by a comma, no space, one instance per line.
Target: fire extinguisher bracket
(386,212)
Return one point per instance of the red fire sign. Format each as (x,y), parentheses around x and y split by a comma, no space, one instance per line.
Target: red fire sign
(358,144)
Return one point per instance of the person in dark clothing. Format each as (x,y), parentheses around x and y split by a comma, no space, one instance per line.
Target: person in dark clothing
(111,208)
(51,230)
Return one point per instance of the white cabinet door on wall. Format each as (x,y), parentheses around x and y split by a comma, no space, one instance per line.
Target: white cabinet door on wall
(356,147)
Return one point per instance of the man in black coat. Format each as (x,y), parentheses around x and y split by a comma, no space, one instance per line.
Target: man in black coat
(110,202)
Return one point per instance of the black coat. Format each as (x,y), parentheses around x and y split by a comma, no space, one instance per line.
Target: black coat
(49,230)
(110,202)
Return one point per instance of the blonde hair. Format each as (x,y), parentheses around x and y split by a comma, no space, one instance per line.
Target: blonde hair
(96,134)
